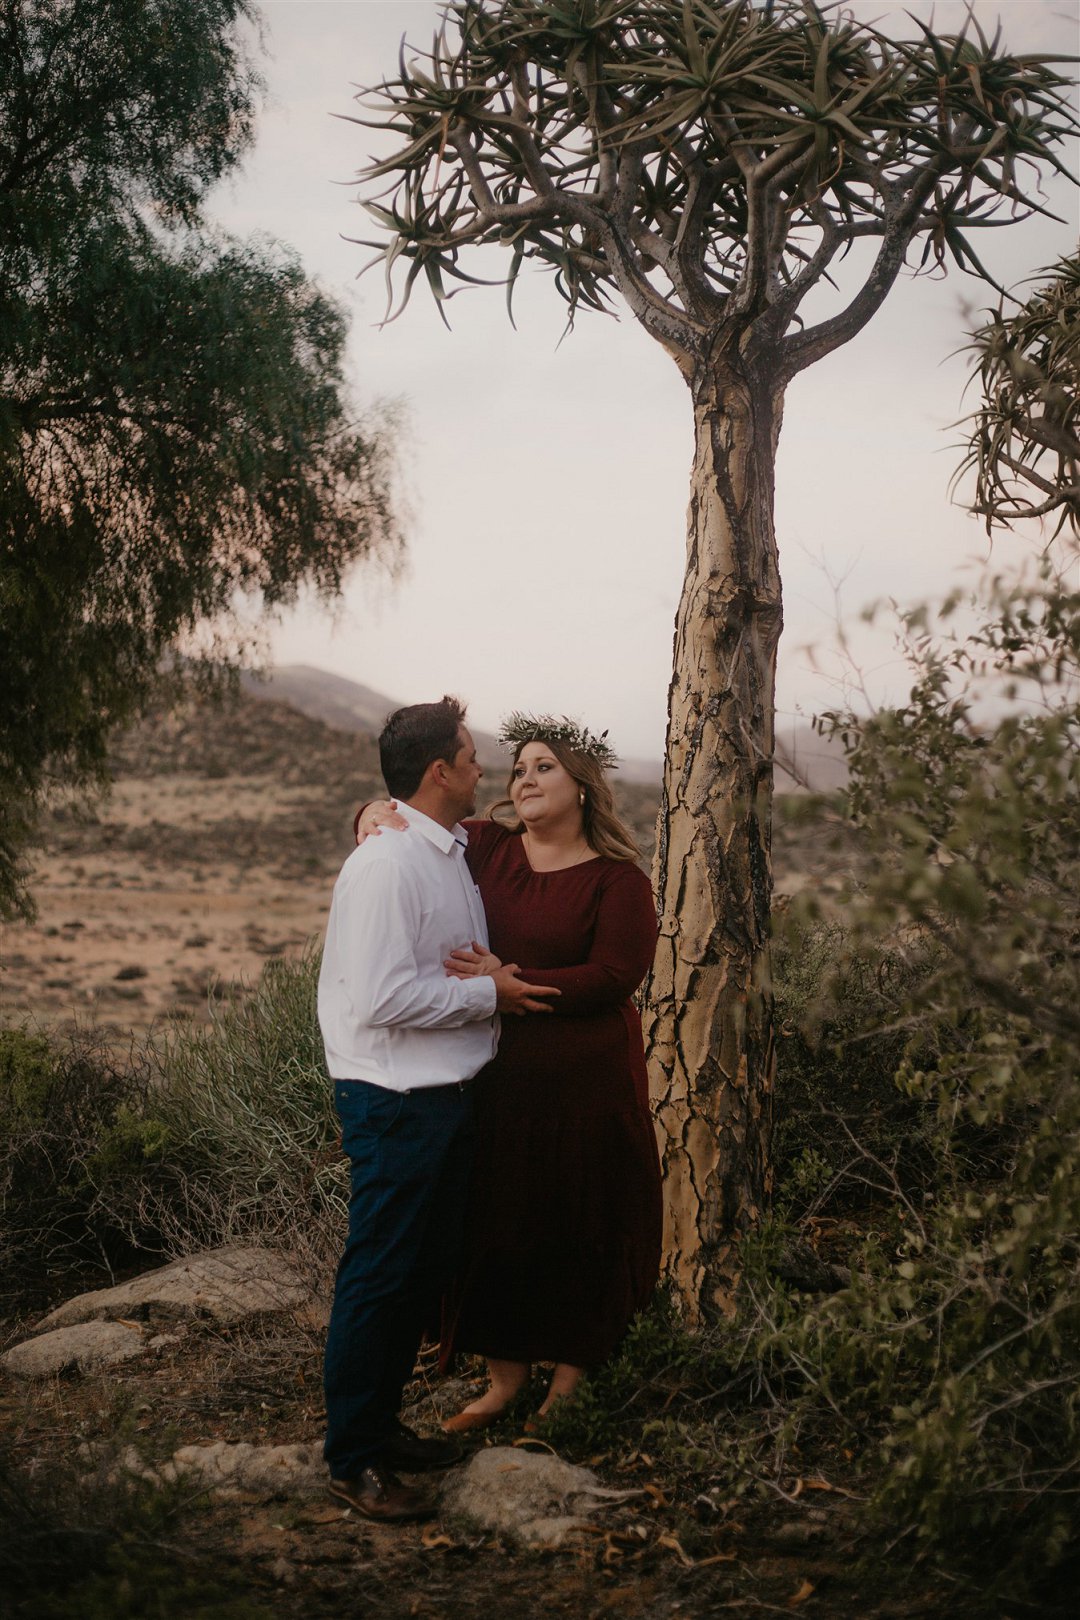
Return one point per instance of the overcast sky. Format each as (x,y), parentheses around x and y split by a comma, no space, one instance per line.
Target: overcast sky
(548,482)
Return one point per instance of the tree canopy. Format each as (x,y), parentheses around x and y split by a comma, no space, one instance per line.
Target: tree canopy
(174,422)
(1024,444)
(705,160)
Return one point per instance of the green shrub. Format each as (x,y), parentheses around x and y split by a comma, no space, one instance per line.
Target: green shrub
(27,1078)
(839,1049)
(61,1104)
(202,1137)
(959,1336)
(658,1363)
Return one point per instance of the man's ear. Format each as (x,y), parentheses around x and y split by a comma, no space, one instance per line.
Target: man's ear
(437,771)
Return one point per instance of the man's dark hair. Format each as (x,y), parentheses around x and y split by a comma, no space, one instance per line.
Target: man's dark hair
(413,738)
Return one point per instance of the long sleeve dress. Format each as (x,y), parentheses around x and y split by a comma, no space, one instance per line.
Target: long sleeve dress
(564,1228)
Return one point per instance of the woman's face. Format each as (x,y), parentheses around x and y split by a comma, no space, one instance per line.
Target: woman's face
(542,790)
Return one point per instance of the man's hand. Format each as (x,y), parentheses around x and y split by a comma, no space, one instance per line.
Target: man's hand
(513,995)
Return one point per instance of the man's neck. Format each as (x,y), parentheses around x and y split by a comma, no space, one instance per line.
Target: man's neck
(434,806)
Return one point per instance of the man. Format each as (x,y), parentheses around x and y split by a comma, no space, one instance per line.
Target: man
(402,1043)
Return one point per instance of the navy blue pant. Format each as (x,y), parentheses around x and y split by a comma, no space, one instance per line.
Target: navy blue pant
(410,1155)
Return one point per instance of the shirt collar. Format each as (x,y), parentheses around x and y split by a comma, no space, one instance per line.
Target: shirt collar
(442,837)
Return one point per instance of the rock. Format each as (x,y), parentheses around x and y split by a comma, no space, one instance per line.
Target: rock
(162,1341)
(240,1469)
(226,1284)
(796,1533)
(803,1268)
(86,1347)
(535,1497)
(446,1397)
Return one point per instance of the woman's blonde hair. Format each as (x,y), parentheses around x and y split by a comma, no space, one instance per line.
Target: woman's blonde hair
(605,831)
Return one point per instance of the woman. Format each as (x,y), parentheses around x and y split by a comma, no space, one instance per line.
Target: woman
(563,1242)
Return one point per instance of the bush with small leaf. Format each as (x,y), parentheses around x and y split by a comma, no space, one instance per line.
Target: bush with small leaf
(965,1327)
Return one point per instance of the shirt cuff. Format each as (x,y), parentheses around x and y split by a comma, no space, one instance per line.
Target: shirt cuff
(482,995)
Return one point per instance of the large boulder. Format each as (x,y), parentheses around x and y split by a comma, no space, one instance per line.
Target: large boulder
(533,1497)
(224,1284)
(240,1469)
(84,1347)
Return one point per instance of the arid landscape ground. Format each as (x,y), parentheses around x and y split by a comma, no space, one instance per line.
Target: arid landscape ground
(217,847)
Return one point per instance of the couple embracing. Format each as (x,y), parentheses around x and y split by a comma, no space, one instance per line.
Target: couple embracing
(476,1006)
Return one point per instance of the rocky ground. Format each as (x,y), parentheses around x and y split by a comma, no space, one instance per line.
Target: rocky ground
(220,1377)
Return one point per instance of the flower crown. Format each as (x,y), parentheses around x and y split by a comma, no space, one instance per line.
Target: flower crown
(518,729)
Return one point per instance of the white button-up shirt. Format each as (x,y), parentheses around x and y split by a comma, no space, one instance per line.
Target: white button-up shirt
(388,1012)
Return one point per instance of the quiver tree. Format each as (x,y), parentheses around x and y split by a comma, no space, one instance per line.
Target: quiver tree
(1024,442)
(712,165)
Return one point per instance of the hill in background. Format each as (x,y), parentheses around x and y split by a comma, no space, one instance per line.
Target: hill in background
(803,758)
(218,846)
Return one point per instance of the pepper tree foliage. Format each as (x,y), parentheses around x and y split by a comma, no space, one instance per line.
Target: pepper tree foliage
(1024,444)
(174,423)
(710,162)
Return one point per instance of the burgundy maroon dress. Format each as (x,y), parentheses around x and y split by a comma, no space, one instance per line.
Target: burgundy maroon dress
(564,1228)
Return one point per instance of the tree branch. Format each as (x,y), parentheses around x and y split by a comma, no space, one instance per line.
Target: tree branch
(832,239)
(901,216)
(538,176)
(674,329)
(496,213)
(703,181)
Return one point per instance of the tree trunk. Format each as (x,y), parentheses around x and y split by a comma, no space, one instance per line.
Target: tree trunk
(709,1023)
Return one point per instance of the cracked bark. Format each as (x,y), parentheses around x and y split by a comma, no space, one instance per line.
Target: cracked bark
(709,1024)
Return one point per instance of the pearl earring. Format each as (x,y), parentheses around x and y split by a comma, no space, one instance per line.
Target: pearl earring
(581,796)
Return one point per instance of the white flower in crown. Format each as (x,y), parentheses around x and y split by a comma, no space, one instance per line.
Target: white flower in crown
(518,729)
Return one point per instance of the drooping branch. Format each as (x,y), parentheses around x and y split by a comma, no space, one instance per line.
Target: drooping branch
(1025,435)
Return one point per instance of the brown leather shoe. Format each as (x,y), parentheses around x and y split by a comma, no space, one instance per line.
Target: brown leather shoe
(412,1454)
(376,1493)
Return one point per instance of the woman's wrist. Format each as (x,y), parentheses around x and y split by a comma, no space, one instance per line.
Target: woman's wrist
(356,819)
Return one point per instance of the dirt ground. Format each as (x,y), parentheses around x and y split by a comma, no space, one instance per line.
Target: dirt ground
(138,915)
(215,849)
(673,1549)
